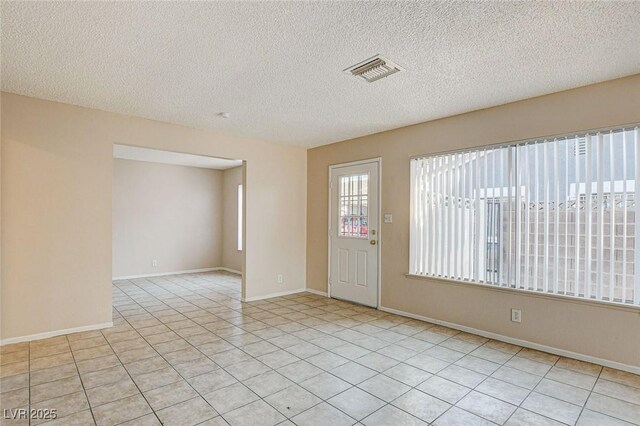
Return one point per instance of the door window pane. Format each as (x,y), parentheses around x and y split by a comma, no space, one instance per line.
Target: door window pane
(353,206)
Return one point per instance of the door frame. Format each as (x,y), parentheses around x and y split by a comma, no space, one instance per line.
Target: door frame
(332,167)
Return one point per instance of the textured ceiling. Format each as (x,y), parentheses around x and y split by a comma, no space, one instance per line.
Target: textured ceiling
(276,67)
(127,152)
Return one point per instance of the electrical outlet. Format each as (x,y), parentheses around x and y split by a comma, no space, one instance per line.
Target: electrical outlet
(516,315)
(388,218)
(280,278)
(154,263)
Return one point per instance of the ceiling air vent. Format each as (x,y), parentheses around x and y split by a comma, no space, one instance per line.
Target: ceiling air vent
(374,69)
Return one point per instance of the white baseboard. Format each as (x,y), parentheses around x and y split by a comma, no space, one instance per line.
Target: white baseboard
(318,292)
(188,271)
(233,271)
(269,296)
(48,334)
(524,343)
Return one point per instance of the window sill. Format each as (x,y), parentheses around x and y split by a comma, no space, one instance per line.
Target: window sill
(522,292)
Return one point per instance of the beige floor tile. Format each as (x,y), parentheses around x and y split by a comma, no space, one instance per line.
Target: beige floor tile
(554,408)
(528,365)
(563,391)
(384,387)
(377,361)
(82,418)
(246,369)
(108,393)
(325,385)
(191,412)
(523,417)
(146,420)
(543,357)
(614,408)
(258,412)
(137,355)
(195,367)
(407,374)
(103,377)
(14,347)
(517,377)
(213,351)
(579,366)
(503,391)
(487,407)
(268,383)
(51,361)
(146,365)
(479,365)
(55,389)
(279,358)
(156,379)
(618,390)
(421,405)
(230,398)
(54,373)
(121,410)
(17,381)
(96,364)
(14,399)
(462,376)
(299,371)
(444,389)
(64,405)
(14,368)
(623,377)
(390,415)
(12,357)
(458,417)
(573,378)
(353,373)
(209,382)
(593,418)
(92,353)
(87,343)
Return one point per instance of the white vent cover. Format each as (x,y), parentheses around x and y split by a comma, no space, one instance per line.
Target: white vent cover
(374,69)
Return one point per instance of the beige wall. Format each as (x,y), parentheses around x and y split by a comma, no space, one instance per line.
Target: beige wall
(594,330)
(169,213)
(231,256)
(57,170)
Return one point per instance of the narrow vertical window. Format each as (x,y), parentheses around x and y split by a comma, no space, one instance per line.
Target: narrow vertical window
(240,217)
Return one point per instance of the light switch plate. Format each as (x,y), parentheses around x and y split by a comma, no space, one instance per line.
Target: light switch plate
(388,218)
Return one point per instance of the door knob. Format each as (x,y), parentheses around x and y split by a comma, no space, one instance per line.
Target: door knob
(372,242)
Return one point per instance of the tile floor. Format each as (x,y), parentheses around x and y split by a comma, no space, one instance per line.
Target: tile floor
(184,351)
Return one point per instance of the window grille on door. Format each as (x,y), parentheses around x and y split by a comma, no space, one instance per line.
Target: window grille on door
(353,204)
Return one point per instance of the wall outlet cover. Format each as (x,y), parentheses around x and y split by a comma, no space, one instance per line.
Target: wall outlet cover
(516,315)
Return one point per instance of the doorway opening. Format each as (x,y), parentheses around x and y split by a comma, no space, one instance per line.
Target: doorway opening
(178,217)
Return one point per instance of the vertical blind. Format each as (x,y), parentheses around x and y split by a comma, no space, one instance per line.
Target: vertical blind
(556,216)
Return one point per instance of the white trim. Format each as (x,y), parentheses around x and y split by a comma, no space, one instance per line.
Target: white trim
(48,334)
(317,292)
(377,160)
(272,295)
(233,271)
(524,343)
(188,271)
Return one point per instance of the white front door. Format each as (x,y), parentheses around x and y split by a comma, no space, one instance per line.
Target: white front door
(353,232)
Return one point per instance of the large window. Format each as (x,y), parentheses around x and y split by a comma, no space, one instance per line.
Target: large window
(556,216)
